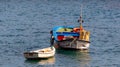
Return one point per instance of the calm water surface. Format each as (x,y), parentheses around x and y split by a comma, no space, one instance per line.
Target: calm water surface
(25,25)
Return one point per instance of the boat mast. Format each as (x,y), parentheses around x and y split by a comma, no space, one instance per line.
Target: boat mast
(80,19)
(81,28)
(81,16)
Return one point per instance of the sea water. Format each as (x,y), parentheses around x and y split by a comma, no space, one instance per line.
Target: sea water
(25,26)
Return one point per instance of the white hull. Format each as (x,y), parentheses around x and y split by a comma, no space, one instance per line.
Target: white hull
(41,53)
(82,45)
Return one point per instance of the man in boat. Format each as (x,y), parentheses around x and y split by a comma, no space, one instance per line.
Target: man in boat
(51,39)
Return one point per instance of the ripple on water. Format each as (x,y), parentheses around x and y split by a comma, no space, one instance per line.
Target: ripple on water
(25,26)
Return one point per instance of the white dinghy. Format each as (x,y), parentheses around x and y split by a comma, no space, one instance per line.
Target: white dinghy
(41,53)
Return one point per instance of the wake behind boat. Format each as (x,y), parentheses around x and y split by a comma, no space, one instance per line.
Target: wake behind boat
(40,53)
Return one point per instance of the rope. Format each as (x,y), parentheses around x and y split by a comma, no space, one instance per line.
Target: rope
(73,41)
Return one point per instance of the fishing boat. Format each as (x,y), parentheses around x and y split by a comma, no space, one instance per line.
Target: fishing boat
(71,37)
(40,53)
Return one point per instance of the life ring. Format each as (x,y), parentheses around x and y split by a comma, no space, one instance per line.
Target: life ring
(76,29)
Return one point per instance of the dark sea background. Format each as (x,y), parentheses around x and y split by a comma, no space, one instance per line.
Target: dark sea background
(25,25)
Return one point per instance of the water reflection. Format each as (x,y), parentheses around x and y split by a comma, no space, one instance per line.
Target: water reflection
(80,57)
(84,59)
(48,61)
